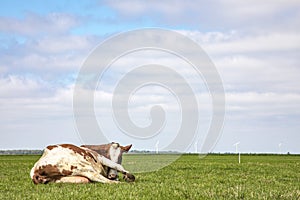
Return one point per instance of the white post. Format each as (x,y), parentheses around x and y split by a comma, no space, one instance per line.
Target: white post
(239,157)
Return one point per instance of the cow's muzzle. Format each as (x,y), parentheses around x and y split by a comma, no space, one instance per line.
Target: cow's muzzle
(113,176)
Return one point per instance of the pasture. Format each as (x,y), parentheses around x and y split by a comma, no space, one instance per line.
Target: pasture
(189,177)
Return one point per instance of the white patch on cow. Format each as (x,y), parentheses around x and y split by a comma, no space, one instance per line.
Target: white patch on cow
(114,152)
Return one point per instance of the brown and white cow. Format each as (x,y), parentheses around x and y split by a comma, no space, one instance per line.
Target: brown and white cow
(73,164)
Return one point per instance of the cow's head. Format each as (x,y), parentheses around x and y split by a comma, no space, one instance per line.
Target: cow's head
(112,151)
(115,154)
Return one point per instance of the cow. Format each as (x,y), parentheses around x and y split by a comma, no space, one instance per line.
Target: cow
(67,163)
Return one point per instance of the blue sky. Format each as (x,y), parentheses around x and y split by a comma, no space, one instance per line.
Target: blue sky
(254,45)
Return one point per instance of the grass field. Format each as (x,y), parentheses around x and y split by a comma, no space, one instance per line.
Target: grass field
(213,177)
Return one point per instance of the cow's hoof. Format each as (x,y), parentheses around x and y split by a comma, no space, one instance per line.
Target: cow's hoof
(128,177)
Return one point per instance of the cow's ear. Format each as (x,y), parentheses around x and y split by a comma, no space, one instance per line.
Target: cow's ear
(126,148)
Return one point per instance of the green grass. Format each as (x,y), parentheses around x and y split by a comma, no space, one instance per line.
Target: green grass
(189,177)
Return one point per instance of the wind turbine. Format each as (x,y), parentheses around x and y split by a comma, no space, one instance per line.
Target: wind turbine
(236,151)
(156,146)
(236,146)
(279,146)
(196,146)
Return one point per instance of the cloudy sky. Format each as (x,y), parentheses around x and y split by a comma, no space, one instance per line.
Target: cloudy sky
(254,45)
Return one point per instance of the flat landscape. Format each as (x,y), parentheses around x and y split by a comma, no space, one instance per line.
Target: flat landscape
(189,177)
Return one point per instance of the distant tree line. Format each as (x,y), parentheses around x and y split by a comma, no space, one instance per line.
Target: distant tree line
(21,152)
(40,152)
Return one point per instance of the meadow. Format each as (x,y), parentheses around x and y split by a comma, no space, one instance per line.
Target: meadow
(189,177)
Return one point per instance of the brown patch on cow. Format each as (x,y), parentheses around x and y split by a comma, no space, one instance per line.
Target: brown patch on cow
(79,150)
(103,149)
(100,149)
(50,173)
(50,170)
(73,167)
(66,172)
(50,147)
(46,173)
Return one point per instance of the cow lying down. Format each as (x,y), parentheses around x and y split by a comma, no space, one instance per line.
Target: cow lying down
(67,163)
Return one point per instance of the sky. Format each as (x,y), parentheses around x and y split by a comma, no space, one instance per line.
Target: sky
(254,45)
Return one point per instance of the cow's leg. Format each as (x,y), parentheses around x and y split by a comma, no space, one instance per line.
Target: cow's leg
(96,177)
(107,162)
(82,179)
(127,176)
(73,179)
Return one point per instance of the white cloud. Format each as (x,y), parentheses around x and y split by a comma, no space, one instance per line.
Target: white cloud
(234,41)
(33,114)
(255,10)
(246,15)
(271,42)
(35,24)
(21,93)
(253,105)
(253,62)
(140,8)
(62,44)
(47,57)
(20,87)
(263,74)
